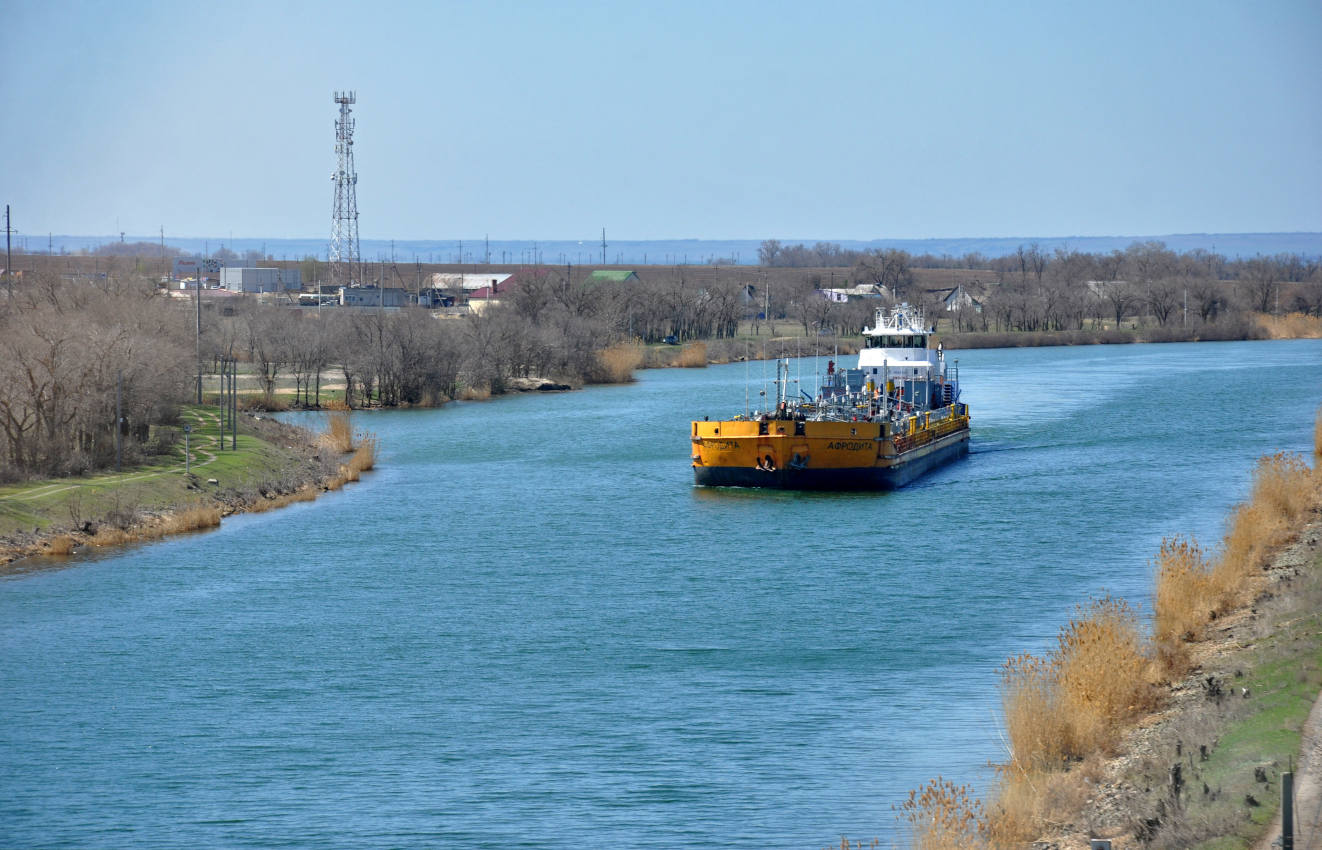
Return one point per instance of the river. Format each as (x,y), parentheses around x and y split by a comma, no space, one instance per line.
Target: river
(527,629)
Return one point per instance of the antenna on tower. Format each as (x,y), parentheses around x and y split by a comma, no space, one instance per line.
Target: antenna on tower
(344,257)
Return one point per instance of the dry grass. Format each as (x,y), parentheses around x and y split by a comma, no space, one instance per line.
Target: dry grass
(618,362)
(60,545)
(1068,709)
(1284,488)
(1186,594)
(191,519)
(1074,702)
(108,535)
(303,494)
(1292,326)
(943,816)
(469,393)
(1317,441)
(338,435)
(1192,590)
(1069,706)
(336,404)
(364,458)
(1102,658)
(693,356)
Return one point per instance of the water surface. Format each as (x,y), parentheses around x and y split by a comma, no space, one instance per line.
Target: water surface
(528,629)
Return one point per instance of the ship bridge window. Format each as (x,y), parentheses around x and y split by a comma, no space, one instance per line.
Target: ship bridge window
(920,342)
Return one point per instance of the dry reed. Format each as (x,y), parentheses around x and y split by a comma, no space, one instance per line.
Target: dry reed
(943,816)
(60,545)
(617,363)
(1065,710)
(1074,701)
(1186,594)
(1101,658)
(1284,488)
(192,519)
(338,435)
(1317,443)
(1291,326)
(335,404)
(693,356)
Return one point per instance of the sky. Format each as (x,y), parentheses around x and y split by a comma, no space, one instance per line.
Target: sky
(748,120)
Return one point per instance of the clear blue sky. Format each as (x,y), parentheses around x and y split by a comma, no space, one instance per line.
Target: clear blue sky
(849,120)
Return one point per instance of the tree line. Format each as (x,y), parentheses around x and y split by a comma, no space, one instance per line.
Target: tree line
(70,343)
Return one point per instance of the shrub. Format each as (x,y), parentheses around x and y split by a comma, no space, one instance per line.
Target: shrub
(693,356)
(338,435)
(617,363)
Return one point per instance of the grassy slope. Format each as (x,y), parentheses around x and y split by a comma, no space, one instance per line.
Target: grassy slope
(40,507)
(1283,674)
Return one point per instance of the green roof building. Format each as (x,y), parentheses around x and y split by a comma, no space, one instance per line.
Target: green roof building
(613,276)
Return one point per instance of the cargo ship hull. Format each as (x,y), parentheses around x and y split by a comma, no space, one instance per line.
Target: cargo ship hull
(822,455)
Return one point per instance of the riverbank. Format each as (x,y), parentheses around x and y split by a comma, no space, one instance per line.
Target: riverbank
(1174,732)
(272,464)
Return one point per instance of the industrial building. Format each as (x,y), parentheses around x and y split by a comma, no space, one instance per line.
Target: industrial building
(261,280)
(372,296)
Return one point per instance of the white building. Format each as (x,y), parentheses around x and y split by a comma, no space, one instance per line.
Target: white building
(261,280)
(467,281)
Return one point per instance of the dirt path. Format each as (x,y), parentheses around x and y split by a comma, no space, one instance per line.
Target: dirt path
(202,446)
(1307,790)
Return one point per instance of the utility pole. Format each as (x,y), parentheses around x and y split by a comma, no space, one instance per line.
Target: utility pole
(603,246)
(9,259)
(486,249)
(197,327)
(119,419)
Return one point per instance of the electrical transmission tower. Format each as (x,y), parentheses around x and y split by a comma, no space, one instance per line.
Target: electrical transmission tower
(344,257)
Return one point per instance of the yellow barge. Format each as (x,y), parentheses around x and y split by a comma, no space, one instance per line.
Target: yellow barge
(876,427)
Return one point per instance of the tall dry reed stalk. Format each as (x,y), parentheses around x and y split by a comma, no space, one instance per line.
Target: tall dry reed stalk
(618,362)
(60,545)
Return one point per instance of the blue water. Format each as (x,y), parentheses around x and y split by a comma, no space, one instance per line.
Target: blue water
(527,628)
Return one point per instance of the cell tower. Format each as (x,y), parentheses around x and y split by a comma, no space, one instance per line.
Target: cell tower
(344,258)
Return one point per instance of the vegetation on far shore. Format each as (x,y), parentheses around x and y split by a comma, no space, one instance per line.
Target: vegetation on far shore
(94,345)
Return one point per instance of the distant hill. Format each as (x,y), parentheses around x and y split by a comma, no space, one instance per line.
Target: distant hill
(697,251)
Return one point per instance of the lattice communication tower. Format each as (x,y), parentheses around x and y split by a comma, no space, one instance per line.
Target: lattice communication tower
(344,257)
